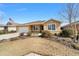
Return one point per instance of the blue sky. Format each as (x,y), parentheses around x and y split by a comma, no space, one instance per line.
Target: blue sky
(23,13)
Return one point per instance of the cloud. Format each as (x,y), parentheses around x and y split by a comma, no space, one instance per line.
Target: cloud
(21,9)
(2,13)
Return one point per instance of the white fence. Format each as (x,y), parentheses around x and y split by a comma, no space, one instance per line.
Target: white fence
(8,36)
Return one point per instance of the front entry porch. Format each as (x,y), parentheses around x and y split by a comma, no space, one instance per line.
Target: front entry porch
(37,28)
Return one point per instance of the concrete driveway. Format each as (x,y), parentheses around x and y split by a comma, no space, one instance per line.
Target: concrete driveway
(8,36)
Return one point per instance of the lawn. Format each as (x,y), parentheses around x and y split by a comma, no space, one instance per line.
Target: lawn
(8,32)
(37,45)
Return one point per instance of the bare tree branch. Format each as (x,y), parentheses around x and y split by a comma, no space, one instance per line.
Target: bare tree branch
(71,13)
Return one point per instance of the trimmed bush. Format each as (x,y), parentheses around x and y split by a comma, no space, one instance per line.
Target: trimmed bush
(66,33)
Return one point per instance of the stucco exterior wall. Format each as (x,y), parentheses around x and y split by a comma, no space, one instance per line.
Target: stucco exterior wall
(57,27)
(1,28)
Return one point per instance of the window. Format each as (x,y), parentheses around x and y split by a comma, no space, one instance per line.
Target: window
(35,27)
(51,27)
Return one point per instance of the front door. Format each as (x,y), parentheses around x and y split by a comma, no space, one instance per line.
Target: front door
(41,27)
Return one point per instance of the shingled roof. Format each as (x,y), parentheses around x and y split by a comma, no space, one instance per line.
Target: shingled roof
(40,22)
(77,23)
(12,23)
(35,22)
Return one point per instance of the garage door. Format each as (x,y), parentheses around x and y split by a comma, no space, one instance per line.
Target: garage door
(23,29)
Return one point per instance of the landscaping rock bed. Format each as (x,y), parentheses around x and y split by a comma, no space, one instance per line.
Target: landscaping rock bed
(65,41)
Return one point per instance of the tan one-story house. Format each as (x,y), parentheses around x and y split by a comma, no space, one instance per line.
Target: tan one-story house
(36,26)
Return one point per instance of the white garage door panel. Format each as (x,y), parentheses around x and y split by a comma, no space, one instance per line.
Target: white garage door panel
(1,28)
(23,29)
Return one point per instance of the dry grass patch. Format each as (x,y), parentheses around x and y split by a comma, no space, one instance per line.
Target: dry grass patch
(37,45)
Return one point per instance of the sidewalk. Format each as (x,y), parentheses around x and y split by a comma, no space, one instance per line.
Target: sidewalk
(32,54)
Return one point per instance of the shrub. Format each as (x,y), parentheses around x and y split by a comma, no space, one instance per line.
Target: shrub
(56,34)
(78,32)
(13,39)
(75,46)
(46,34)
(66,33)
(21,34)
(12,31)
(29,33)
(3,40)
(1,32)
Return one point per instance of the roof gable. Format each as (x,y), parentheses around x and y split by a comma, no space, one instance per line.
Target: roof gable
(41,22)
(52,20)
(11,23)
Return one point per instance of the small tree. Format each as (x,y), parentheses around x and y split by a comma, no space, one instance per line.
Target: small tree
(71,13)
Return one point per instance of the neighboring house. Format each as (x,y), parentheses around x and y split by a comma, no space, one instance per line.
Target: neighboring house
(1,27)
(51,25)
(73,26)
(11,25)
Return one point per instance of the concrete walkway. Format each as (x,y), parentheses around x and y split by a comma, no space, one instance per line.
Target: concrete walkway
(32,54)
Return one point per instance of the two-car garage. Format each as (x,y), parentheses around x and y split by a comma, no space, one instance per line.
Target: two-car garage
(22,29)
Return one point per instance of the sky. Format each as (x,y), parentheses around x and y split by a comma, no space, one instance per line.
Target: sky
(27,12)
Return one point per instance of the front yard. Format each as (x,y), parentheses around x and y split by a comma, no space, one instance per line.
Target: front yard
(8,32)
(37,45)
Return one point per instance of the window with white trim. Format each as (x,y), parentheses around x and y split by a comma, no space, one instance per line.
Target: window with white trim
(35,27)
(51,26)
